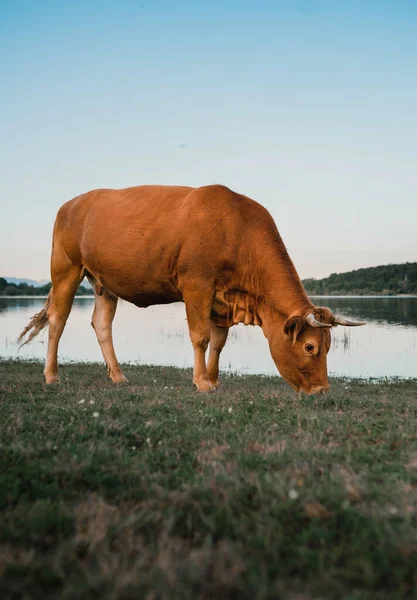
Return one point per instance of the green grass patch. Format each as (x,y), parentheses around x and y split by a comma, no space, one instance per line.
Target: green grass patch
(151,490)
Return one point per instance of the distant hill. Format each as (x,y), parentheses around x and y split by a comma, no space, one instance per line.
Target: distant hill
(8,288)
(384,280)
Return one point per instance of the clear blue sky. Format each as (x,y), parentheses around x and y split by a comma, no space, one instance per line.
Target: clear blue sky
(308,106)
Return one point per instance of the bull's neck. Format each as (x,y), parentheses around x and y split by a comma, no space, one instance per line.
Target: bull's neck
(279,286)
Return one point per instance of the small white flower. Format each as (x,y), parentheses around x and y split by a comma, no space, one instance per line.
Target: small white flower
(133,447)
(166,387)
(154,380)
(148,441)
(229,410)
(293,494)
(251,402)
(91,402)
(81,401)
(96,414)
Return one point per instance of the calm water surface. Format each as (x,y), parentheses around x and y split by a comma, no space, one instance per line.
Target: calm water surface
(387,346)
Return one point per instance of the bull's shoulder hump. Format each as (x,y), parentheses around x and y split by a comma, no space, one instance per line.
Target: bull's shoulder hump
(225,196)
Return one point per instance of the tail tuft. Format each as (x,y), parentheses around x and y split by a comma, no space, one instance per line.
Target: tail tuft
(37,323)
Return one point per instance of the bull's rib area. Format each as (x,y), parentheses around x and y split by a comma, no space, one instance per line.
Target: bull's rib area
(234,306)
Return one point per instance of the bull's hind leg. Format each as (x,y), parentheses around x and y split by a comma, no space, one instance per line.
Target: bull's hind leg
(102,320)
(218,339)
(65,281)
(198,304)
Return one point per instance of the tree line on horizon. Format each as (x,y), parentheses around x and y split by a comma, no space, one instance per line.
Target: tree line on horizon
(384,280)
(24,289)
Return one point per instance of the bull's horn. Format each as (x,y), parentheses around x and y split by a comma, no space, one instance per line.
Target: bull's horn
(312,321)
(342,321)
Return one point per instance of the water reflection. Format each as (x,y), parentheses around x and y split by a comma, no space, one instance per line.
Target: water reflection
(380,309)
(390,310)
(36,302)
(387,346)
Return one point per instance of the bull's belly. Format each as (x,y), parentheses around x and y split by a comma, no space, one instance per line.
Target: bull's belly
(140,291)
(147,295)
(143,300)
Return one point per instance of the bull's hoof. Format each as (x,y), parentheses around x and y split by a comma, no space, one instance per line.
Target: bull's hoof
(49,379)
(119,379)
(205,386)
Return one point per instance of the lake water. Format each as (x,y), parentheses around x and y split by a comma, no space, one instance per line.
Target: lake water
(387,346)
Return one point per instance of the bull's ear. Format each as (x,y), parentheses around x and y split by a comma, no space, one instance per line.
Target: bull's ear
(293,326)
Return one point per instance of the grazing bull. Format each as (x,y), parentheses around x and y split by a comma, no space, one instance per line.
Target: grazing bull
(213,249)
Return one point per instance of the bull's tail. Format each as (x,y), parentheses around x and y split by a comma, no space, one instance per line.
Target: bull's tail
(37,323)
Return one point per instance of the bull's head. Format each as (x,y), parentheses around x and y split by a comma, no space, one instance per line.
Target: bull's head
(300,348)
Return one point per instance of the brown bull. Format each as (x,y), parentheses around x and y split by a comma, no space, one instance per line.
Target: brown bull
(214,249)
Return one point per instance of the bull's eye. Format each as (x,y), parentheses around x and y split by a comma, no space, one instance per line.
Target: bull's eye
(309,348)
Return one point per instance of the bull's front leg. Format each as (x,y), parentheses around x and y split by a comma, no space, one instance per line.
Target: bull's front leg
(218,339)
(198,304)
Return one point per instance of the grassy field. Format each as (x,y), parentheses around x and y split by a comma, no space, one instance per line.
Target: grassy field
(152,491)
